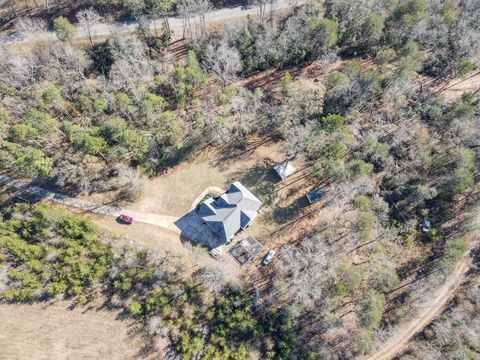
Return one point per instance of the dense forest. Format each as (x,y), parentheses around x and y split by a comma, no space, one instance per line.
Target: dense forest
(375,128)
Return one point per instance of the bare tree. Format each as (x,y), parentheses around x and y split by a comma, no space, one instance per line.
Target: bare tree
(266,9)
(28,25)
(87,19)
(132,69)
(272,7)
(214,278)
(203,7)
(293,3)
(78,177)
(4,278)
(194,14)
(223,62)
(131,182)
(185,10)
(19,69)
(162,9)
(66,63)
(262,9)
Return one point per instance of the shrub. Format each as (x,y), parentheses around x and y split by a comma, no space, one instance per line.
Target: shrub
(332,122)
(285,82)
(135,308)
(465,67)
(453,252)
(122,102)
(51,96)
(385,56)
(385,278)
(4,115)
(371,309)
(41,121)
(25,159)
(361,168)
(23,133)
(64,29)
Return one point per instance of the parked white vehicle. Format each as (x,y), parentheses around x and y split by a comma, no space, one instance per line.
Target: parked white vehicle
(268,257)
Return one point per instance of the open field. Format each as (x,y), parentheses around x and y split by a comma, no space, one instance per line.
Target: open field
(52,332)
(377,112)
(283,217)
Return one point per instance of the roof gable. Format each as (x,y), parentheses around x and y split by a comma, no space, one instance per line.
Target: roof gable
(284,169)
(230,212)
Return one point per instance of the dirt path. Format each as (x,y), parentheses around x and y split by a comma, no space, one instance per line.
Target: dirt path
(457,88)
(203,194)
(398,343)
(163,221)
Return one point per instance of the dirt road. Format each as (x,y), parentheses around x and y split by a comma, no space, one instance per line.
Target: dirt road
(399,342)
(457,88)
(176,24)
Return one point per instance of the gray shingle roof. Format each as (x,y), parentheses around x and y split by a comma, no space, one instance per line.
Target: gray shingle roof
(231,212)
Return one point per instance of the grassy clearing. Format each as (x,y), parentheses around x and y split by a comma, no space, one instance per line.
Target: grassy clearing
(52,331)
(173,192)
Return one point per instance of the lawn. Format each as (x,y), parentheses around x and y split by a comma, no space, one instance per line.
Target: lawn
(173,192)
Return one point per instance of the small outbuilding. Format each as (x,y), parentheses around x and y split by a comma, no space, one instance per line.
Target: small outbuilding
(315,195)
(284,169)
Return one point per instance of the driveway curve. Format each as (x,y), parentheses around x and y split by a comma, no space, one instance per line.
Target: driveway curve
(203,194)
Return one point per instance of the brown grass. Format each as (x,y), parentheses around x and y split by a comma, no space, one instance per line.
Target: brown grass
(159,240)
(284,217)
(173,192)
(51,331)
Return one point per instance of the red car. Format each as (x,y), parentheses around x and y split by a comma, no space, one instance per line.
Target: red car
(125,219)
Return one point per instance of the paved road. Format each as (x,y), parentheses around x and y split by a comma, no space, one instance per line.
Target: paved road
(176,24)
(163,221)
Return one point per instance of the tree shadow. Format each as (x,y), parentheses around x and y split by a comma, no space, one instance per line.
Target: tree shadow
(260,180)
(270,78)
(12,196)
(238,150)
(282,214)
(221,4)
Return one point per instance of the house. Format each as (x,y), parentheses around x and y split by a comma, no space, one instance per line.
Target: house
(315,195)
(231,212)
(284,169)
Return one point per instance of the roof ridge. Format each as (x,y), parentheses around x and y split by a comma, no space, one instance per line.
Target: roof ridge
(233,210)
